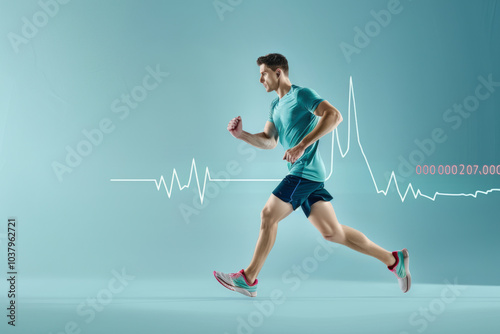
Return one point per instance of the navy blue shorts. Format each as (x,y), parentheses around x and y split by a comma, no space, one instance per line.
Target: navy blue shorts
(301,192)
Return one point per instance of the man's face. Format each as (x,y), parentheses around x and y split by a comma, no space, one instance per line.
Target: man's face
(268,78)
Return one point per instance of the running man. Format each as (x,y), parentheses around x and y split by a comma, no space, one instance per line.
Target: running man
(298,118)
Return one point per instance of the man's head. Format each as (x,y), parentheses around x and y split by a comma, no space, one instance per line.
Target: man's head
(273,66)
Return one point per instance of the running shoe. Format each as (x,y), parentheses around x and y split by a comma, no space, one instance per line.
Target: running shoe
(237,282)
(402,269)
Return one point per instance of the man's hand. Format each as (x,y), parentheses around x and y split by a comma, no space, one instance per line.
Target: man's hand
(294,153)
(235,127)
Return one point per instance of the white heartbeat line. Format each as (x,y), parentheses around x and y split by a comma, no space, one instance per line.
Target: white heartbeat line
(335,133)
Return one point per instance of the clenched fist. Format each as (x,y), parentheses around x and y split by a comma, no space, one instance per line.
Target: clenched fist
(294,153)
(235,127)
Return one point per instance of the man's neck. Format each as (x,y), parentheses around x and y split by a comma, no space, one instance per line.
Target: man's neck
(284,88)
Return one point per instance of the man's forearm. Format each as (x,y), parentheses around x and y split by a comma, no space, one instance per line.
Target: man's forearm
(259,140)
(326,124)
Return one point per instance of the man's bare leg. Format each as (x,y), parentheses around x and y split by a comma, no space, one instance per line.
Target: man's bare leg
(272,213)
(323,217)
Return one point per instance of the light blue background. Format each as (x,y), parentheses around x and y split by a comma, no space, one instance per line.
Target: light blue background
(64,80)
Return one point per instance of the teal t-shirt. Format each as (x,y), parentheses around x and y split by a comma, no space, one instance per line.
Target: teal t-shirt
(293,116)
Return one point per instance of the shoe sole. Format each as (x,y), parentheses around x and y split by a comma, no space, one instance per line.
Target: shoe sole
(235,288)
(406,257)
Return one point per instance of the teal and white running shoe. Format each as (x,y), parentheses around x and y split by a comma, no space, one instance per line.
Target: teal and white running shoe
(237,282)
(402,269)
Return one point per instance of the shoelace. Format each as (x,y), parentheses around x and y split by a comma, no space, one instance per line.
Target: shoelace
(235,275)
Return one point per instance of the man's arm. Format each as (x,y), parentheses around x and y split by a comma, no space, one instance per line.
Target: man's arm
(268,139)
(330,119)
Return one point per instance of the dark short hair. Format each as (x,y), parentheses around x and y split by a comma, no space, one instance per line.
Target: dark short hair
(273,61)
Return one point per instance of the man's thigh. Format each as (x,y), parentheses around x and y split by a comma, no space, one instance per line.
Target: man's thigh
(324,219)
(276,209)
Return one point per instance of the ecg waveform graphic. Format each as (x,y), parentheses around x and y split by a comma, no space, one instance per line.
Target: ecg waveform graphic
(335,134)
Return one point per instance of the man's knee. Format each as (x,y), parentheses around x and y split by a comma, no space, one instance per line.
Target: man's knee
(267,218)
(334,235)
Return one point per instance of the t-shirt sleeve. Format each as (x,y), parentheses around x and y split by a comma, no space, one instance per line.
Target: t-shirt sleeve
(271,109)
(309,99)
